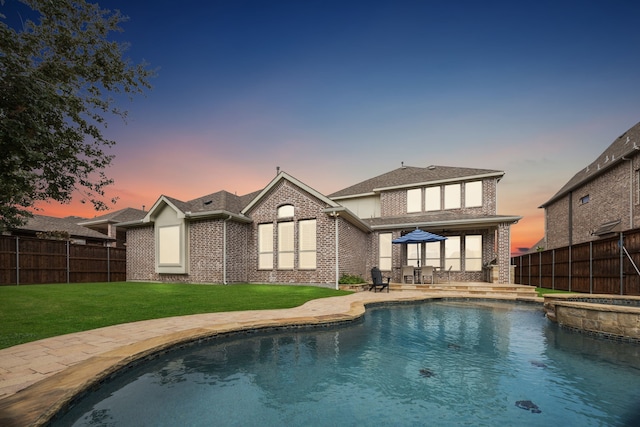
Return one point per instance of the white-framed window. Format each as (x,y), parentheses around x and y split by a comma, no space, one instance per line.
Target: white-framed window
(307,244)
(432,200)
(286,246)
(473,253)
(169,245)
(414,254)
(432,254)
(414,200)
(473,194)
(452,196)
(452,253)
(265,246)
(285,211)
(385,248)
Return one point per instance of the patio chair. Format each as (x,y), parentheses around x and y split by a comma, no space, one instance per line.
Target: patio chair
(378,280)
(407,271)
(427,271)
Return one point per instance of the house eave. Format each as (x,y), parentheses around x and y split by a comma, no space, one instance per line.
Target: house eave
(349,216)
(218,214)
(354,196)
(596,173)
(453,224)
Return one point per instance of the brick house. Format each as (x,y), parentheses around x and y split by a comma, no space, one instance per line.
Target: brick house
(290,233)
(49,227)
(107,224)
(599,200)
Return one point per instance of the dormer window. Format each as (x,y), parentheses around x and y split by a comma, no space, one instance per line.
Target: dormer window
(285,211)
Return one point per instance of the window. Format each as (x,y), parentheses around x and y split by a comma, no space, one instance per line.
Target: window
(432,254)
(432,199)
(169,245)
(584,199)
(285,245)
(473,253)
(473,194)
(385,247)
(285,211)
(307,244)
(265,246)
(452,253)
(414,252)
(414,200)
(452,196)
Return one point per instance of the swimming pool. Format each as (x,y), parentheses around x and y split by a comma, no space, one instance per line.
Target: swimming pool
(436,363)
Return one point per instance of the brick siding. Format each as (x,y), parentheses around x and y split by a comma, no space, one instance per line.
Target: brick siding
(568,221)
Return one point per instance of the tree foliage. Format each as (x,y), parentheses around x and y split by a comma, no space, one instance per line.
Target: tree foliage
(59,73)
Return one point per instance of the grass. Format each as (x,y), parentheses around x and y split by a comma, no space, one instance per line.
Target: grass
(542,291)
(30,313)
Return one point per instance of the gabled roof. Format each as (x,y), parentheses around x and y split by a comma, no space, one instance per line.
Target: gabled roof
(218,204)
(122,215)
(410,176)
(622,149)
(42,223)
(284,176)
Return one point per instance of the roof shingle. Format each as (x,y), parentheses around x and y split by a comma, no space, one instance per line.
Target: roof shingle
(410,175)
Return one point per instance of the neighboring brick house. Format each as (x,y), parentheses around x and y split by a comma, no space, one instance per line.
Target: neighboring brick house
(290,233)
(108,224)
(49,227)
(599,200)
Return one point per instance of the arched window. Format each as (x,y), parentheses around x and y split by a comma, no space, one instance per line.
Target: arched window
(285,211)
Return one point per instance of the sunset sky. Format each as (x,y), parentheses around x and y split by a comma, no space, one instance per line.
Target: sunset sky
(335,92)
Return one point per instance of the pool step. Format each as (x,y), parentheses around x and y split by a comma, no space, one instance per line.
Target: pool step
(473,290)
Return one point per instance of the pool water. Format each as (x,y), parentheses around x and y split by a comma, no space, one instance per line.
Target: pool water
(438,363)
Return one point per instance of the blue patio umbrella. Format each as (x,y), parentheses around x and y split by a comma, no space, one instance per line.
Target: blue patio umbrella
(419,236)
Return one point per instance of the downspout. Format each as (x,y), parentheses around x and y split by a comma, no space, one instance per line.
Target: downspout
(224,250)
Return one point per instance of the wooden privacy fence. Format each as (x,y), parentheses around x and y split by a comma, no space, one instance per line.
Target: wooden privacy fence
(25,260)
(607,266)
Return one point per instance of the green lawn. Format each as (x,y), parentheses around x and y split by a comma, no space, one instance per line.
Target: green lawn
(33,312)
(542,291)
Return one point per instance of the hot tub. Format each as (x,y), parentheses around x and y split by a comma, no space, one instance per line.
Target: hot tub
(609,316)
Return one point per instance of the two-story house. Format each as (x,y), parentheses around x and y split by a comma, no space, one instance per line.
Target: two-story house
(290,233)
(601,199)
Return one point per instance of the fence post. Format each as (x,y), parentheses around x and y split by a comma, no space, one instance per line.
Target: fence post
(17,261)
(591,267)
(621,247)
(553,269)
(68,263)
(540,269)
(529,268)
(570,259)
(108,264)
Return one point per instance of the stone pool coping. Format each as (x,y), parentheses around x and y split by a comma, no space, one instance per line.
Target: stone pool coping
(39,379)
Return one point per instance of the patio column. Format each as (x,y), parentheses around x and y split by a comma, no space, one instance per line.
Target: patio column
(504,253)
